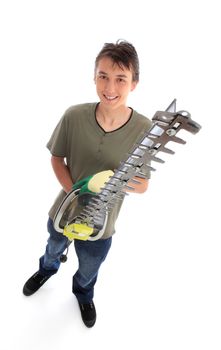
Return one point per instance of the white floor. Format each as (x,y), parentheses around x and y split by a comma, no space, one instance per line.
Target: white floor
(158,289)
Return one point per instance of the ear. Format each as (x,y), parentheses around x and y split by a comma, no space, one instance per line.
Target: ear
(95,76)
(133,85)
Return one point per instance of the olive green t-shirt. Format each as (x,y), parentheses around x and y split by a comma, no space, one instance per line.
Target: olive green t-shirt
(88,149)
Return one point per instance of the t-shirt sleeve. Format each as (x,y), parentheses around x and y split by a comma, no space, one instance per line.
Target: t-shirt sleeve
(58,141)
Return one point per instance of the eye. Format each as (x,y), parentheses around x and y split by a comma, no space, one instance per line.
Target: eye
(121,80)
(102,77)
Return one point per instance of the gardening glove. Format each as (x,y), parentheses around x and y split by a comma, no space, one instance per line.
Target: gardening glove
(93,184)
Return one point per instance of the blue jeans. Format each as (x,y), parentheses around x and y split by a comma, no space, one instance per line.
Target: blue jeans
(90,255)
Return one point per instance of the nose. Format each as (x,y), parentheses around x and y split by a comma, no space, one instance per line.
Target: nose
(110,86)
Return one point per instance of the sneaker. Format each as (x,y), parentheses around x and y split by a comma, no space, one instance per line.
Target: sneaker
(88,313)
(34,283)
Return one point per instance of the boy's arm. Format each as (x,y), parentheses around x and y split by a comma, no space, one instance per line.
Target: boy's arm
(140,187)
(62,173)
(64,177)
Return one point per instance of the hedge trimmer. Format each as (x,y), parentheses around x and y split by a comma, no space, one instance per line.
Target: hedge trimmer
(90,221)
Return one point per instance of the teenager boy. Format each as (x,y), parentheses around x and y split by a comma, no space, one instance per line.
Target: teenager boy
(91,138)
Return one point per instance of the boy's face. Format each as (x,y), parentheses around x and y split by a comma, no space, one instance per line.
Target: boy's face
(113,84)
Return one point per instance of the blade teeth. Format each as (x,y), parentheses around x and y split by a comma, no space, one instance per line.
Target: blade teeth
(148,167)
(177,140)
(135,181)
(129,187)
(158,160)
(167,150)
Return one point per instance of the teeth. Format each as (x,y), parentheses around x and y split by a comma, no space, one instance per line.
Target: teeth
(110,97)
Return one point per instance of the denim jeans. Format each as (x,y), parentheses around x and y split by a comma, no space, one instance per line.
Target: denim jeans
(90,255)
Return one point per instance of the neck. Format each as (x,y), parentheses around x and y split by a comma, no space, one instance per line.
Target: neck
(111,119)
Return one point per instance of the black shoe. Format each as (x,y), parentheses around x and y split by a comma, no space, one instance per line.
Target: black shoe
(34,283)
(88,313)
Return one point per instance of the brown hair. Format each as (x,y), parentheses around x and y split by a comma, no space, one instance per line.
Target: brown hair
(123,54)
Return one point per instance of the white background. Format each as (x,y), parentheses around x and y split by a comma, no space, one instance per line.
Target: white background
(160,286)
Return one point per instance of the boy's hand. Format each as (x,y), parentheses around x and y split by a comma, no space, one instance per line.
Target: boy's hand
(93,183)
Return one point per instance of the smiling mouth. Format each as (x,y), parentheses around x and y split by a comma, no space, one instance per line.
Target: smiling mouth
(110,98)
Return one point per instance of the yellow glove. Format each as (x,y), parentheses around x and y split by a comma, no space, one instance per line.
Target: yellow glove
(93,183)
